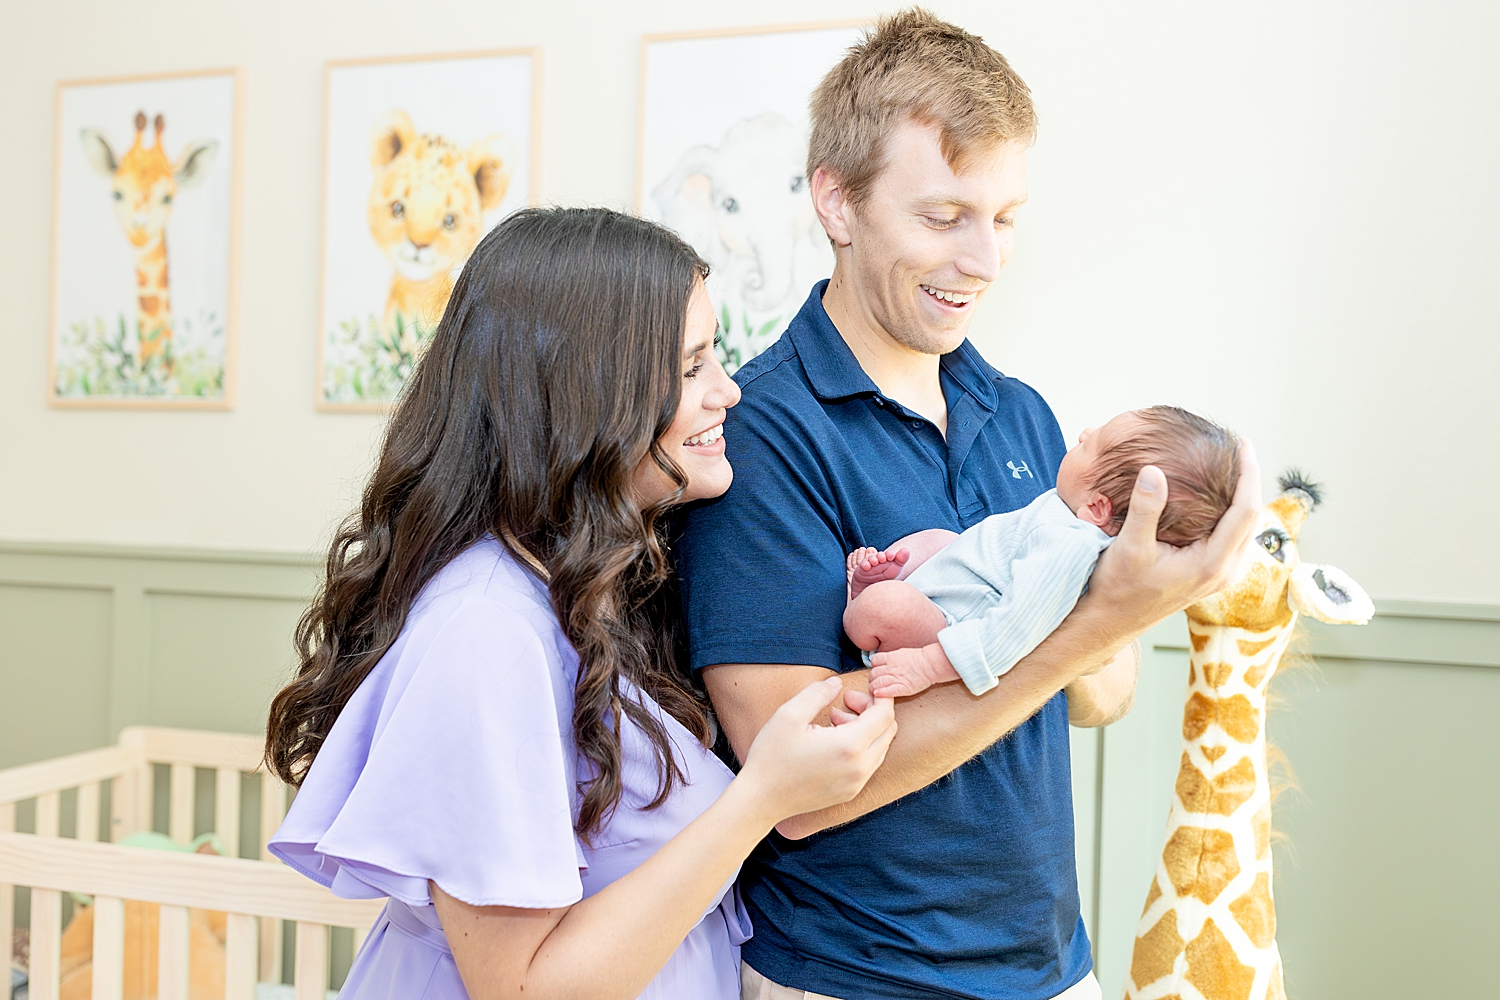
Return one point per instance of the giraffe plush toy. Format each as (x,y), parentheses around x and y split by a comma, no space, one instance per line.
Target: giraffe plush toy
(143,184)
(1209,928)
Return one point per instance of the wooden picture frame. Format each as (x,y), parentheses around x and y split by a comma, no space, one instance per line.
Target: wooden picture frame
(180,352)
(363,358)
(721,149)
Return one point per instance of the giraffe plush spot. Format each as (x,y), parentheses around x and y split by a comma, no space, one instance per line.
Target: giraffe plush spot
(1261,823)
(1276,989)
(1212,754)
(1215,969)
(1197,716)
(150,304)
(1255,913)
(1156,951)
(1223,795)
(1151,896)
(1216,674)
(1238,718)
(1249,647)
(1192,675)
(1200,862)
(1199,639)
(1255,673)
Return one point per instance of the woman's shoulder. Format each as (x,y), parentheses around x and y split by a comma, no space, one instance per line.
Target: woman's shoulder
(483,577)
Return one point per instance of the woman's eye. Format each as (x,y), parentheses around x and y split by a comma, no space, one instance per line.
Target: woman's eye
(397,210)
(693,371)
(449,221)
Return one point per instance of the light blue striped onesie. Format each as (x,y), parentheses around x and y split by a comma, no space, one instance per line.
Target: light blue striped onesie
(1007,582)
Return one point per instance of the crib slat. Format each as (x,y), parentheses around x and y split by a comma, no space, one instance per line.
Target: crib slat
(227,809)
(180,819)
(46,943)
(272,809)
(88,812)
(311,975)
(48,814)
(7,892)
(109,948)
(239,958)
(172,954)
(122,806)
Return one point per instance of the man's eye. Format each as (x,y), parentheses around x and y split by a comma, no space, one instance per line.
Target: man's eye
(942,223)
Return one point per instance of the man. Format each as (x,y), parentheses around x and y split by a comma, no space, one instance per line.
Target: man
(952,873)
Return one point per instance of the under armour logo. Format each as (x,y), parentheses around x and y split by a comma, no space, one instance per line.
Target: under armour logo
(1016,470)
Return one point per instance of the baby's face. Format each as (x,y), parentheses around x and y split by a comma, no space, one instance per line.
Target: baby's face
(1077,469)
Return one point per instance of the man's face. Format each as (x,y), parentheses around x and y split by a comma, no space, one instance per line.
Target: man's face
(927,243)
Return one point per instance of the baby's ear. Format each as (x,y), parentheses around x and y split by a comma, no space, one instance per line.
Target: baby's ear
(1099,511)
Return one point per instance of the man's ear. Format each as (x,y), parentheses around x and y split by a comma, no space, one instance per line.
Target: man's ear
(1098,511)
(832,208)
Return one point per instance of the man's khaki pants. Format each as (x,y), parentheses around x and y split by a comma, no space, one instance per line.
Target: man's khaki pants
(754,986)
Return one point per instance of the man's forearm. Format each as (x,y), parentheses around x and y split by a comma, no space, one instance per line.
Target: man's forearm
(1103,697)
(945,726)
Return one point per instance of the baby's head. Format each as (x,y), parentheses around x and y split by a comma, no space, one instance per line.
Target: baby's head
(1200,459)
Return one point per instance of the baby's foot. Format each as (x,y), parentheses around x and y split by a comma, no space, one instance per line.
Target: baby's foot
(866,566)
(901,673)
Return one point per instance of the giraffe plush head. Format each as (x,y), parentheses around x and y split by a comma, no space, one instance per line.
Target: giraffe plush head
(143,181)
(1274,582)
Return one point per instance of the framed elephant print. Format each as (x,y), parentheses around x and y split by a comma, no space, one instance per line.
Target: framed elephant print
(423,155)
(722,153)
(144,268)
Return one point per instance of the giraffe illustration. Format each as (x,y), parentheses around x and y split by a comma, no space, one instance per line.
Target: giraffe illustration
(1208,931)
(143,184)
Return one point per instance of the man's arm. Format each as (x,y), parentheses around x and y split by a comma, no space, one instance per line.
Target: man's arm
(1103,697)
(1139,582)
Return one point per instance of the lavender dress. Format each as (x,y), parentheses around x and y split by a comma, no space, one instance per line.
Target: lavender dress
(454,762)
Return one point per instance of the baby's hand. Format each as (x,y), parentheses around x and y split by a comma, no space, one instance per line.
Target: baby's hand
(866,566)
(901,673)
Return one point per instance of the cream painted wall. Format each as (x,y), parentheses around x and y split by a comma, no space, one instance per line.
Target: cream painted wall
(1283,216)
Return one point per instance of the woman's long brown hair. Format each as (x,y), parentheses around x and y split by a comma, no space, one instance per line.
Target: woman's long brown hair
(556,367)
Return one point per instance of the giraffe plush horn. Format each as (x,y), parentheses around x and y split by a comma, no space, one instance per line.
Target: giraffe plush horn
(1329,595)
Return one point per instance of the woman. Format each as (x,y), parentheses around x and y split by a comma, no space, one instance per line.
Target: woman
(487,726)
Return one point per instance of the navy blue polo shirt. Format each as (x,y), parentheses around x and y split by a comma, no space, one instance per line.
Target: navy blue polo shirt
(965,888)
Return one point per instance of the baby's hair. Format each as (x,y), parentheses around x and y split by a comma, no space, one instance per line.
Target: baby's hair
(1200,459)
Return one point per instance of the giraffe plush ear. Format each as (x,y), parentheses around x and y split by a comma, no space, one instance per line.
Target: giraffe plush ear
(97,151)
(490,167)
(1329,595)
(391,134)
(194,162)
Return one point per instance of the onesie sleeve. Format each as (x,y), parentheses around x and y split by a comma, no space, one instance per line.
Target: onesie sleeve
(1048,575)
(452,762)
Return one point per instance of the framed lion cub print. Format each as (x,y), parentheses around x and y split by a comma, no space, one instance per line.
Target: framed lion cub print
(423,155)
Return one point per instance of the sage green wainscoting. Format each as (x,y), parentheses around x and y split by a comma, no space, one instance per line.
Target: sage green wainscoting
(1387,867)
(1384,883)
(94,638)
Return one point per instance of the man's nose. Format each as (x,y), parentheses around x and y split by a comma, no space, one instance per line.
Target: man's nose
(981,257)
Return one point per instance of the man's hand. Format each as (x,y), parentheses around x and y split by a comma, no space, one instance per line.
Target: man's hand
(1143,581)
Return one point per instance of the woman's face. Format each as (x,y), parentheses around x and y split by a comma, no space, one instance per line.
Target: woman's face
(695,441)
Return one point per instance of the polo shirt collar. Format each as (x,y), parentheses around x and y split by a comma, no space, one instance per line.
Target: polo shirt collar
(835,373)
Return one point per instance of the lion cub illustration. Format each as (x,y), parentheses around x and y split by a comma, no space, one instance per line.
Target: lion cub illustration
(426,213)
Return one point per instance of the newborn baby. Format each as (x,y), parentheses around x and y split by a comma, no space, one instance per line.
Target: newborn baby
(938,606)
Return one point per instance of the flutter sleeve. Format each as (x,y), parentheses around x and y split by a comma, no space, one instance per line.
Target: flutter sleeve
(1048,575)
(452,762)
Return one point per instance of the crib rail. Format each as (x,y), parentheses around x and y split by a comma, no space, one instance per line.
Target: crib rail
(113,874)
(127,770)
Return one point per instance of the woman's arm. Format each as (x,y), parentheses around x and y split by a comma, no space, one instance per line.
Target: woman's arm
(614,942)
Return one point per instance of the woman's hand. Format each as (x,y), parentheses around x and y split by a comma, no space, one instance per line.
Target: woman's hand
(796,766)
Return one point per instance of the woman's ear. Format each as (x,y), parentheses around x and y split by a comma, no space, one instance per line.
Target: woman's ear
(1098,511)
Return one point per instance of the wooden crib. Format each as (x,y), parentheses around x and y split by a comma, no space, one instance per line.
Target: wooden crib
(256,895)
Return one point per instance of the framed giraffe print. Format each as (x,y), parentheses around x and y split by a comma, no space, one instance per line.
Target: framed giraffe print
(144,241)
(722,151)
(422,156)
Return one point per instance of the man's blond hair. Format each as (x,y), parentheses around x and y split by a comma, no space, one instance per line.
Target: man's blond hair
(914,67)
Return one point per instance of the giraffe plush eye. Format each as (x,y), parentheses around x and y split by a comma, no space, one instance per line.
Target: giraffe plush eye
(1272,541)
(797,183)
(166,199)
(118,195)
(398,210)
(730,205)
(449,221)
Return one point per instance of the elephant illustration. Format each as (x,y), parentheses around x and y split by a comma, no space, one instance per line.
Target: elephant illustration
(744,205)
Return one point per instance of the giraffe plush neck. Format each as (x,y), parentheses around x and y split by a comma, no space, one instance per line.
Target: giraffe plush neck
(1208,931)
(143,184)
